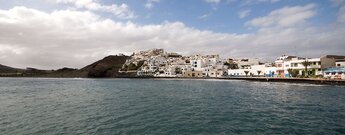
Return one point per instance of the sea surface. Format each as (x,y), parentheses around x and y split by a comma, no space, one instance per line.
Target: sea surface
(43,106)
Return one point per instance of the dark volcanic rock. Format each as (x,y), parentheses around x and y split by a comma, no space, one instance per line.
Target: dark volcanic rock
(106,67)
(6,69)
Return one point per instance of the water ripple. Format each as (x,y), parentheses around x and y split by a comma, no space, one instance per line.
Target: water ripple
(152,106)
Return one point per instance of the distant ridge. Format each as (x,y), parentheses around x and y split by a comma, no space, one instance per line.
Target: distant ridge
(7,69)
(106,67)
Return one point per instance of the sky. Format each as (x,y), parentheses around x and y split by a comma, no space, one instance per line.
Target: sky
(51,34)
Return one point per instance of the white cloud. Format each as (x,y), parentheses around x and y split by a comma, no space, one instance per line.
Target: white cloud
(253,2)
(34,38)
(341,14)
(272,1)
(244,13)
(204,16)
(213,1)
(149,3)
(121,11)
(337,2)
(285,17)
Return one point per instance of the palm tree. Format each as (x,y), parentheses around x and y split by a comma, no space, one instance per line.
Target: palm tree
(246,72)
(306,63)
(259,72)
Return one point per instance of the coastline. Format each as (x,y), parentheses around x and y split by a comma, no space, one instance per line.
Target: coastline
(262,79)
(257,79)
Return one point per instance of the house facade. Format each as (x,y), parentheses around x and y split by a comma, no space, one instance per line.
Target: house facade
(334,73)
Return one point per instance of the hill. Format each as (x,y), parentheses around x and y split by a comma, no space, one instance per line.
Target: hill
(6,69)
(106,67)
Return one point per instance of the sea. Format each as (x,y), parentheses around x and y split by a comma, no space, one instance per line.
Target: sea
(57,106)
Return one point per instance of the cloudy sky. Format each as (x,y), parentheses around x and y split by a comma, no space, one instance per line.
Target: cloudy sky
(51,34)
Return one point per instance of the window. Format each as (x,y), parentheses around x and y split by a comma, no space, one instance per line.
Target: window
(338,65)
(286,65)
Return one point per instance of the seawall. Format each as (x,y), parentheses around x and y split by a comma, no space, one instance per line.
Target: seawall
(262,79)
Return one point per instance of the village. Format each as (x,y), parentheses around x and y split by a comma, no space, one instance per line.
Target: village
(158,63)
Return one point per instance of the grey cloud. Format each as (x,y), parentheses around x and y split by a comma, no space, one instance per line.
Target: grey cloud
(33,38)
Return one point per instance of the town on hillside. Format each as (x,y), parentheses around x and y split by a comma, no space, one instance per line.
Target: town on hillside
(158,63)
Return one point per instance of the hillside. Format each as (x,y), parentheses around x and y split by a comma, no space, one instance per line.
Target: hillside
(6,69)
(106,67)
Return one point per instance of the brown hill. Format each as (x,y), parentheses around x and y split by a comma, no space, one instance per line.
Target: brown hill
(106,67)
(6,69)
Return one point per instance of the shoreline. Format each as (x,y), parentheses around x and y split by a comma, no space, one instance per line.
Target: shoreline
(257,79)
(262,79)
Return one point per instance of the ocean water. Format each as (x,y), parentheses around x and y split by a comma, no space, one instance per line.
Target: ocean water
(162,106)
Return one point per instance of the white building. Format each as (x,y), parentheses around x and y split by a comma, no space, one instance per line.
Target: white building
(284,63)
(255,70)
(334,73)
(247,63)
(340,64)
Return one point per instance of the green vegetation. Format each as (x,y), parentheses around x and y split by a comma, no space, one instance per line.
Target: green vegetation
(293,72)
(231,65)
(178,70)
(306,63)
